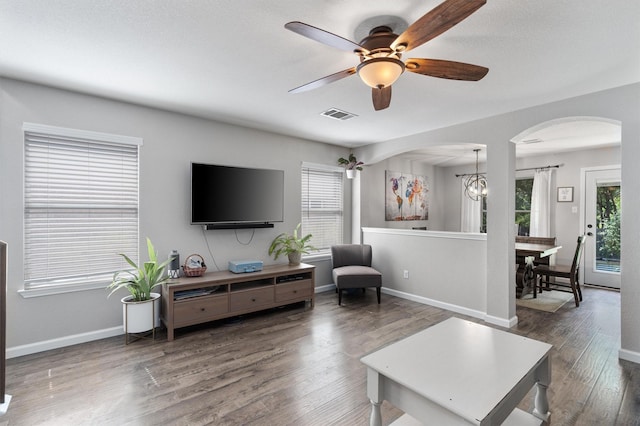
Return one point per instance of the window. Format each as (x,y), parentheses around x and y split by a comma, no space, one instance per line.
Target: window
(523,207)
(523,204)
(322,205)
(80,207)
(483,221)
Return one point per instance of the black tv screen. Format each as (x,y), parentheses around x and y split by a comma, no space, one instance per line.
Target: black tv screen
(224,195)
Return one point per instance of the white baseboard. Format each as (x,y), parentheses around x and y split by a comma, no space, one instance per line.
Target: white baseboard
(629,355)
(61,342)
(511,322)
(438,304)
(502,322)
(323,288)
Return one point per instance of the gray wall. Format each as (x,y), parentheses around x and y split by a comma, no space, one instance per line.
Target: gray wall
(444,191)
(171,142)
(426,257)
(621,104)
(372,194)
(565,224)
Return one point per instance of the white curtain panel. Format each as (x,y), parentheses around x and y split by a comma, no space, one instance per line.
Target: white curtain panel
(471,212)
(540,225)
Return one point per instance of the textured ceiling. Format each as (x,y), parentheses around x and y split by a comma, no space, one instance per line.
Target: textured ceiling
(233,61)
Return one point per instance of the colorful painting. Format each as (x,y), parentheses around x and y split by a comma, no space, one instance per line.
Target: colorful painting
(405,197)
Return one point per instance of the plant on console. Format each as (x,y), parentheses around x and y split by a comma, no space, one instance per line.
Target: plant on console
(291,245)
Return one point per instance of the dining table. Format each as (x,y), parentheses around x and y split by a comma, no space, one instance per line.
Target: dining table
(537,254)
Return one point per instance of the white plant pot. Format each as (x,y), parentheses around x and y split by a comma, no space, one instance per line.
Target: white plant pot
(138,317)
(351,173)
(295,258)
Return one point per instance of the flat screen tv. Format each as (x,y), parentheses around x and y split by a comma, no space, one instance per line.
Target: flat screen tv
(236,197)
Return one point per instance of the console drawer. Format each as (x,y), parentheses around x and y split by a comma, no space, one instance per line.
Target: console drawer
(293,291)
(248,299)
(199,309)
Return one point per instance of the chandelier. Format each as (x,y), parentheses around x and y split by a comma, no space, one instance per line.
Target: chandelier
(475,186)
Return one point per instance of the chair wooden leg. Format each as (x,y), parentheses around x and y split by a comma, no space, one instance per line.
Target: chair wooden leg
(535,285)
(575,292)
(378,294)
(339,297)
(578,288)
(579,291)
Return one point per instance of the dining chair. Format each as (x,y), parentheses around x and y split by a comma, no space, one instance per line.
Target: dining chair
(570,272)
(551,241)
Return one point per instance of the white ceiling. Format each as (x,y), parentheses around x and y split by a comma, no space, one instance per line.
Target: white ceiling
(562,135)
(233,60)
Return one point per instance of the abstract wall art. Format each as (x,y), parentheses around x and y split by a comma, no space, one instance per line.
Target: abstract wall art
(405,197)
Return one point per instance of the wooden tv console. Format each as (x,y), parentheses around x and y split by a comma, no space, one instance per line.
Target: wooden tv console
(216,295)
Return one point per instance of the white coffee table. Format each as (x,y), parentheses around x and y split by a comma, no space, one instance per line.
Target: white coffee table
(460,372)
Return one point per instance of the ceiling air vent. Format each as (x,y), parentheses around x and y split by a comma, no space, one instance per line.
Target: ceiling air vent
(338,114)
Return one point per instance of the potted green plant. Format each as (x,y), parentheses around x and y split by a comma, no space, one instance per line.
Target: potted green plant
(291,245)
(139,306)
(350,165)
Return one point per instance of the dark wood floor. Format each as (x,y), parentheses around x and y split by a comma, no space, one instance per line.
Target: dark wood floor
(300,366)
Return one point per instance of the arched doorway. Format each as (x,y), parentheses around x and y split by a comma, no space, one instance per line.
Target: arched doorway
(590,186)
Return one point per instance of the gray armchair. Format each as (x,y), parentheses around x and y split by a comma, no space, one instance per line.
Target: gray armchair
(352,268)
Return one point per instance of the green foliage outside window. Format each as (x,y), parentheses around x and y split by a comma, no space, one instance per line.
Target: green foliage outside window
(523,204)
(608,222)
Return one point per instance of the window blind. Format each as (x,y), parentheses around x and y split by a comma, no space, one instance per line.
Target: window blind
(322,206)
(80,207)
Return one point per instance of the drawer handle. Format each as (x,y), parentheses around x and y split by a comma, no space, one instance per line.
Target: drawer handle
(295,291)
(253,299)
(201,309)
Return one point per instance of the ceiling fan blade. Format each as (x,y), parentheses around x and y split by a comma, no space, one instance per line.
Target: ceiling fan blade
(323,36)
(324,80)
(446,69)
(381,97)
(435,22)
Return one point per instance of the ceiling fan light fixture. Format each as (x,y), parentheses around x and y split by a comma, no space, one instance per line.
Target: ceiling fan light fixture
(410,65)
(401,47)
(380,72)
(360,51)
(380,49)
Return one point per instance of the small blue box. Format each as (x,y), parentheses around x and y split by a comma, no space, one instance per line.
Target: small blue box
(242,266)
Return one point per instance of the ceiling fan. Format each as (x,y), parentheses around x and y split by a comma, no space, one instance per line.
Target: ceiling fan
(380,52)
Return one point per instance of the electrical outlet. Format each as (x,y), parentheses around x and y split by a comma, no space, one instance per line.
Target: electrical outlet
(405,274)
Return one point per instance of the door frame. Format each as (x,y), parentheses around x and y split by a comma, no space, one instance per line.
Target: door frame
(583,200)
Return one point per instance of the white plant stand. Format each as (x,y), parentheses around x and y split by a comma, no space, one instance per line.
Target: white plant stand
(140,319)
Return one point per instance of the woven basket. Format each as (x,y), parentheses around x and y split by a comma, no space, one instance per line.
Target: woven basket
(194,272)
